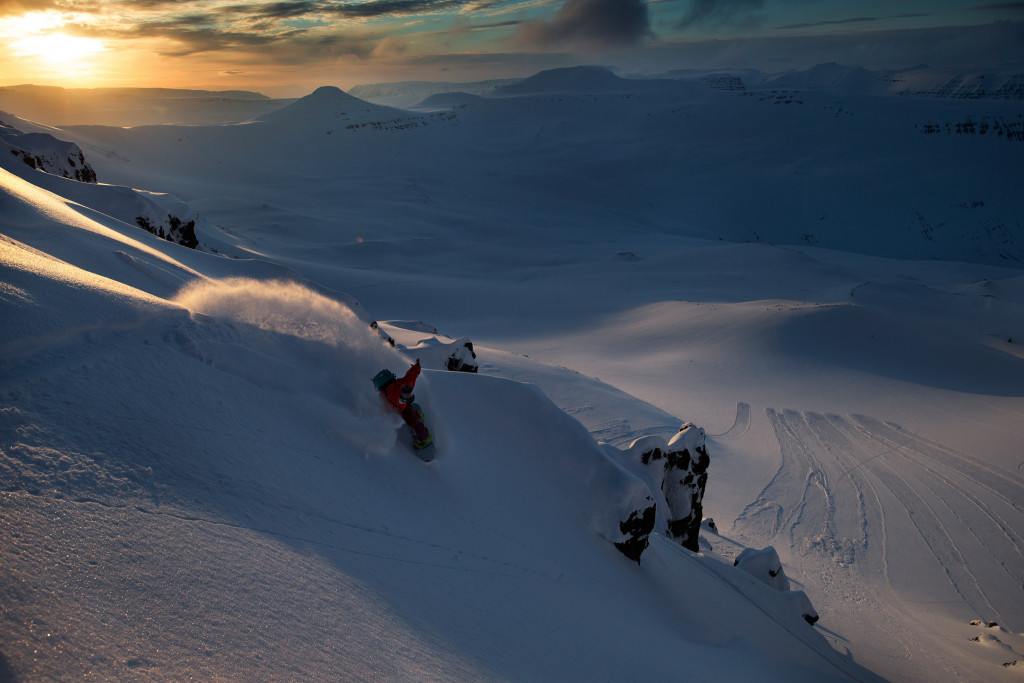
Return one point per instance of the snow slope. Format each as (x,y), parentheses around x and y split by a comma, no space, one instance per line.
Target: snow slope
(233,504)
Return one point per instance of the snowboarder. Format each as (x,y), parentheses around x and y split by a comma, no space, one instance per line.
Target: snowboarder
(397,396)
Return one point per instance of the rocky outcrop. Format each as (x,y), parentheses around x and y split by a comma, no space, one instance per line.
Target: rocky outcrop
(686,476)
(173,230)
(679,470)
(417,339)
(46,153)
(637,530)
(462,357)
(375,326)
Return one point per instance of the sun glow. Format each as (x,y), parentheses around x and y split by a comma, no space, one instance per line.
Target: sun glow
(31,23)
(56,48)
(37,47)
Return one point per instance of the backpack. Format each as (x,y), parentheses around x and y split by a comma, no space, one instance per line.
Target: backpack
(383,378)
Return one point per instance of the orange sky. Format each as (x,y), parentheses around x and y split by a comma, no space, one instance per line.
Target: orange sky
(289,47)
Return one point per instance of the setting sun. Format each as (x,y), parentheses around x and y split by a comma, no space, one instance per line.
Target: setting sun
(57,48)
(38,47)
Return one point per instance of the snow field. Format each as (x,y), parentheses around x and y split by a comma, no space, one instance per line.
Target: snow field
(277,539)
(222,447)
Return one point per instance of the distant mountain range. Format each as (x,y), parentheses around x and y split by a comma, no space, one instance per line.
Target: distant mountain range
(409,93)
(149,106)
(1004,83)
(914,164)
(134,106)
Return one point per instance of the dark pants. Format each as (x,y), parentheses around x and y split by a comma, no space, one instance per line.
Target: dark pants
(413,417)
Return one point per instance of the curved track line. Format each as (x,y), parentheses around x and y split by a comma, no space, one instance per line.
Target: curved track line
(846,484)
(955,479)
(996,480)
(740,424)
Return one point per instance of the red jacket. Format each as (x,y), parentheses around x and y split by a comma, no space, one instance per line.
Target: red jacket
(393,391)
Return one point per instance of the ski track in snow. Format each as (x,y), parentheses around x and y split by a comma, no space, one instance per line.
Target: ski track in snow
(855,498)
(739,426)
(618,433)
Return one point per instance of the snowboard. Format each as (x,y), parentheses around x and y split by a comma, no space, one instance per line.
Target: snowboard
(427,454)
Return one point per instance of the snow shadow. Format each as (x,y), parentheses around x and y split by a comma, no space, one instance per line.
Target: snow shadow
(284,337)
(880,343)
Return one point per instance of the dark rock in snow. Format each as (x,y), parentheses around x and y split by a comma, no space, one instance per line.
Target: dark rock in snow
(463,357)
(382,334)
(174,230)
(46,153)
(434,350)
(684,465)
(637,528)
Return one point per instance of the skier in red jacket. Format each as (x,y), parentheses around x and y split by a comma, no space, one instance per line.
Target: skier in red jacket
(398,396)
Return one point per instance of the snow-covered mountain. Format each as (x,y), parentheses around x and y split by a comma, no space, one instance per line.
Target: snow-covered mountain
(408,94)
(572,80)
(777,163)
(1000,83)
(134,106)
(198,478)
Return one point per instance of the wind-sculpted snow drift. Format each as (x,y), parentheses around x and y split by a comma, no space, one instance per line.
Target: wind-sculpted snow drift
(61,168)
(765,566)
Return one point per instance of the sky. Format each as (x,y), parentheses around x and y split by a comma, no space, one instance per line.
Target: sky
(288,48)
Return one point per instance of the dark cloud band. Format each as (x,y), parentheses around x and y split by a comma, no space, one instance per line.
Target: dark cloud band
(589,24)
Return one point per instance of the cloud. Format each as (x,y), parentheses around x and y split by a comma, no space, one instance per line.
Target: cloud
(291,9)
(390,47)
(512,61)
(270,34)
(589,24)
(194,40)
(959,47)
(154,4)
(392,7)
(495,25)
(719,12)
(14,7)
(275,10)
(832,22)
(1001,6)
(855,20)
